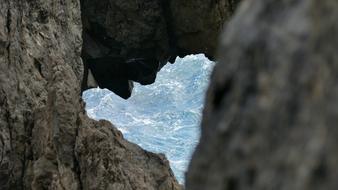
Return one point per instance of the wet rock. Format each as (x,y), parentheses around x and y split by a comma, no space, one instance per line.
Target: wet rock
(271,109)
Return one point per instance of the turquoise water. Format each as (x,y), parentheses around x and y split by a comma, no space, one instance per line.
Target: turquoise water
(163,117)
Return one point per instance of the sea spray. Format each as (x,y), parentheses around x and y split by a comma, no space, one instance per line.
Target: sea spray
(163,117)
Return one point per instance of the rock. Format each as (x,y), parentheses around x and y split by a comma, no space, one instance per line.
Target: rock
(111,73)
(46,139)
(196,24)
(158,31)
(116,73)
(271,108)
(107,161)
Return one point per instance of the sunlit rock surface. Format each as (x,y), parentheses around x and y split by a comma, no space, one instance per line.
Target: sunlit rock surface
(162,117)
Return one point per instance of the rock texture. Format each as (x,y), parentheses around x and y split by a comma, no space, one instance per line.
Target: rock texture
(151,31)
(271,109)
(46,139)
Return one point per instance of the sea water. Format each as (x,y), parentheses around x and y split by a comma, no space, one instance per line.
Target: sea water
(163,117)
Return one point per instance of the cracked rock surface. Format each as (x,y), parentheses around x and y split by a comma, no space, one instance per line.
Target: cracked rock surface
(46,139)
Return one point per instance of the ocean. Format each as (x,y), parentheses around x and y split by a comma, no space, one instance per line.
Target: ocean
(163,117)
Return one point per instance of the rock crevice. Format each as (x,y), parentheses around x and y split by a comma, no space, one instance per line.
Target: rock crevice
(46,139)
(151,32)
(49,54)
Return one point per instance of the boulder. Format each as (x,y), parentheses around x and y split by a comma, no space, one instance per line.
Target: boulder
(271,109)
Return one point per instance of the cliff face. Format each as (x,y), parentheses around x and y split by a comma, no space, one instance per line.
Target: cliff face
(40,105)
(271,109)
(128,40)
(270,112)
(46,139)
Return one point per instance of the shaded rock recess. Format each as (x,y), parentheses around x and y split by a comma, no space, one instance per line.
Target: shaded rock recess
(49,54)
(46,139)
(128,40)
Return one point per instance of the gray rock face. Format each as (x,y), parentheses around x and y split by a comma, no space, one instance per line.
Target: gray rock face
(152,31)
(46,139)
(271,109)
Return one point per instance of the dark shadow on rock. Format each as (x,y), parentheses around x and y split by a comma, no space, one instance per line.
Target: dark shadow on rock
(148,34)
(117,74)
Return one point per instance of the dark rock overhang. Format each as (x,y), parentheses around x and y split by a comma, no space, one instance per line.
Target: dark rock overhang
(130,41)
